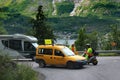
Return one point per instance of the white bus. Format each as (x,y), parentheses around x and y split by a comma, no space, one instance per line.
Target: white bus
(18,45)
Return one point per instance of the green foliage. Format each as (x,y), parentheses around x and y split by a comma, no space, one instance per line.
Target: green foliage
(17,5)
(15,15)
(99,8)
(2,29)
(41,30)
(72,24)
(105,42)
(107,5)
(13,22)
(81,41)
(64,7)
(11,15)
(112,37)
(17,23)
(11,71)
(3,12)
(84,38)
(106,8)
(25,73)
(92,38)
(115,33)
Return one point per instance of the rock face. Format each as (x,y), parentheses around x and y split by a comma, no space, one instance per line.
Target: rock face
(54,6)
(76,2)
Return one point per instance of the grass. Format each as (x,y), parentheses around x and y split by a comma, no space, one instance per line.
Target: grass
(9,70)
(5,2)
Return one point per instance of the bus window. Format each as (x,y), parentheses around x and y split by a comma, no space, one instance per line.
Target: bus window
(28,47)
(5,43)
(15,44)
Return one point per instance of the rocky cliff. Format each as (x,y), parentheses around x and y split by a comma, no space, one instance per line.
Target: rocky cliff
(80,6)
(76,4)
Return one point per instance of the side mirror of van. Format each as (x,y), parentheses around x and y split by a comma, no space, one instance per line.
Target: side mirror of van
(63,55)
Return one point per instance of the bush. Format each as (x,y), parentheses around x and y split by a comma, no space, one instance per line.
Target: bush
(64,7)
(9,70)
(106,8)
(25,73)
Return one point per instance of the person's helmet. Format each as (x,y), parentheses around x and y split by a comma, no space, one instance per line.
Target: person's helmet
(87,45)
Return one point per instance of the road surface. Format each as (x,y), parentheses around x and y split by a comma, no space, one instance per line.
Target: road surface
(107,69)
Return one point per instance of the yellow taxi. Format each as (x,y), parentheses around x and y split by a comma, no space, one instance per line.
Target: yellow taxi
(58,55)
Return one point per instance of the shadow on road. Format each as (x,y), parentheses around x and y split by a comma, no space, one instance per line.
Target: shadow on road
(61,67)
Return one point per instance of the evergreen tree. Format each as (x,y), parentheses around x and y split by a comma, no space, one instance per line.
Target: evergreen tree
(41,30)
(81,41)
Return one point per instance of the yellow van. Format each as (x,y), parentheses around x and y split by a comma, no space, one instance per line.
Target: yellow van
(58,55)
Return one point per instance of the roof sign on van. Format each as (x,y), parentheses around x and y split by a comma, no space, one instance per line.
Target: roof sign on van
(48,41)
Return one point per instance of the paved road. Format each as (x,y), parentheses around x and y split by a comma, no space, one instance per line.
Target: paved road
(107,69)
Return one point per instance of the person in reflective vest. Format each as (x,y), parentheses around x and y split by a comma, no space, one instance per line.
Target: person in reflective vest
(89,51)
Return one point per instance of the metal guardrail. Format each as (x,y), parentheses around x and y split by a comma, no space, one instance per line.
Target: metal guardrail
(108,51)
(104,51)
(22,60)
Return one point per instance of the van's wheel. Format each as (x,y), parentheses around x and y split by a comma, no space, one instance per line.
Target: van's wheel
(95,62)
(42,63)
(70,65)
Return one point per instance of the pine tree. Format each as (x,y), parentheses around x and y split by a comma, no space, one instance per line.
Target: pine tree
(41,30)
(81,41)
